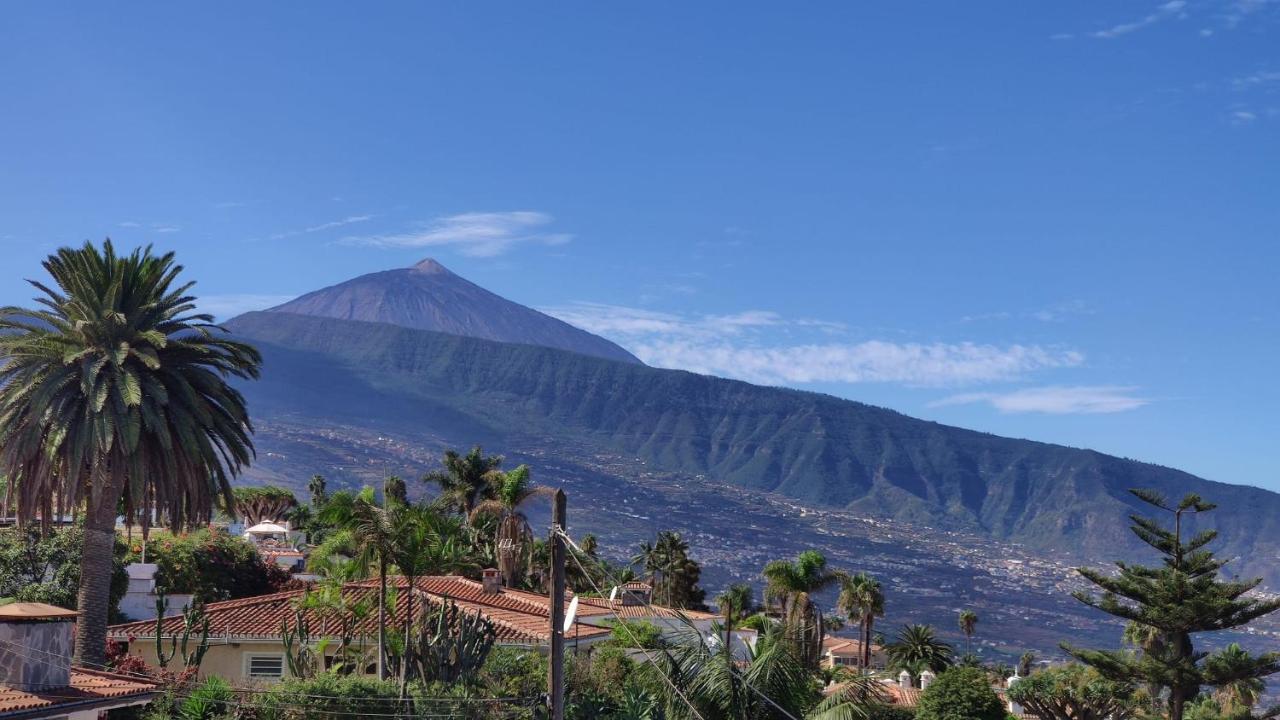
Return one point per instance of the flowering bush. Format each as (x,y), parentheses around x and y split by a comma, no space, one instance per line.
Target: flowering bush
(213,565)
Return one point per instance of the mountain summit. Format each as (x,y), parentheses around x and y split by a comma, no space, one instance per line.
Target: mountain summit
(428,296)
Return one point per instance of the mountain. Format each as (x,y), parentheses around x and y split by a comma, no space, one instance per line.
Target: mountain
(817,449)
(428,296)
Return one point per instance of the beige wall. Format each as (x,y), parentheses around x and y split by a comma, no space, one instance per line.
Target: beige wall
(226,661)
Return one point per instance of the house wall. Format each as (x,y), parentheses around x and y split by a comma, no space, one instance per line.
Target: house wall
(224,660)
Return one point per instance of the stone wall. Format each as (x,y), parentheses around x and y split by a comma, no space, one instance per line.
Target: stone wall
(35,655)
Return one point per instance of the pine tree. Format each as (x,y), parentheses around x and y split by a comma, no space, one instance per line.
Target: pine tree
(1181,597)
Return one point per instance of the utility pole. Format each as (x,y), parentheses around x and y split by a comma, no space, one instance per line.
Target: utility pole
(555,674)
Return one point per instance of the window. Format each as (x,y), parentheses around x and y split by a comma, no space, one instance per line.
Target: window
(264,665)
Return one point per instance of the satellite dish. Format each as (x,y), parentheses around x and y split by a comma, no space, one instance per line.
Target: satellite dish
(573,612)
(613,594)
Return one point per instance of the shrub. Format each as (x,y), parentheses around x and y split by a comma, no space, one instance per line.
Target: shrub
(212,565)
(961,693)
(47,569)
(326,695)
(636,634)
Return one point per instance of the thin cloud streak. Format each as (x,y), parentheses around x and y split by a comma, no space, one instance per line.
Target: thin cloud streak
(349,220)
(1055,400)
(736,346)
(225,307)
(1173,8)
(475,234)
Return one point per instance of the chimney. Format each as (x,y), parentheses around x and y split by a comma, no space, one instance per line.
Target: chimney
(492,581)
(904,680)
(35,646)
(926,679)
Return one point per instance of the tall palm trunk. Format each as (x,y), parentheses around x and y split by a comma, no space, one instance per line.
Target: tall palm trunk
(96,562)
(382,619)
(408,629)
(867,619)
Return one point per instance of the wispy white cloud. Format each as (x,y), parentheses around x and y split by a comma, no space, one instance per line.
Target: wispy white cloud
(343,222)
(130,224)
(1056,400)
(224,307)
(1243,117)
(765,347)
(1167,10)
(1056,312)
(165,228)
(477,234)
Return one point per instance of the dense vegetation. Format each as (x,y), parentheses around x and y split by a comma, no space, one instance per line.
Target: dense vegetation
(808,446)
(45,567)
(210,564)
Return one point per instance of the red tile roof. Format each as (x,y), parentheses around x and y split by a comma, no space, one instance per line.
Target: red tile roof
(631,612)
(845,646)
(88,688)
(519,619)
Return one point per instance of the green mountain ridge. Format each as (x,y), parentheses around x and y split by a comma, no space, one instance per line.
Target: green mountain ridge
(815,448)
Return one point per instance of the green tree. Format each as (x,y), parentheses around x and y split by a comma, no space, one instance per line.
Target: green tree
(1075,692)
(319,495)
(792,584)
(212,565)
(45,567)
(961,693)
(771,683)
(371,535)
(918,647)
(394,491)
(1180,597)
(672,573)
(266,503)
(862,598)
(467,480)
(968,621)
(1229,670)
(114,394)
(514,538)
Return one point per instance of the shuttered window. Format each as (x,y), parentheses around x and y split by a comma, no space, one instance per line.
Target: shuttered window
(264,666)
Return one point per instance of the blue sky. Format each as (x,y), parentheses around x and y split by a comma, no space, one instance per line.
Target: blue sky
(1057,221)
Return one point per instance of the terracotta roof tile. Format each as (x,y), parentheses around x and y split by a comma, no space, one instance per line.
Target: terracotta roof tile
(519,619)
(87,686)
(631,612)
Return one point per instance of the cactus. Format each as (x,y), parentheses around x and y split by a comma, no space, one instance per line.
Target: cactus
(298,651)
(194,622)
(450,644)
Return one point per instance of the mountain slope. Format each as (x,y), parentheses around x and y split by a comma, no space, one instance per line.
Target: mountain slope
(815,448)
(428,296)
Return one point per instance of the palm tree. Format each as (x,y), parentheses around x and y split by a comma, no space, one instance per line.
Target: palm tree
(423,542)
(316,486)
(511,491)
(734,603)
(394,491)
(467,480)
(1025,661)
(1233,671)
(792,585)
(917,646)
(968,620)
(770,682)
(862,598)
(114,394)
(372,532)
